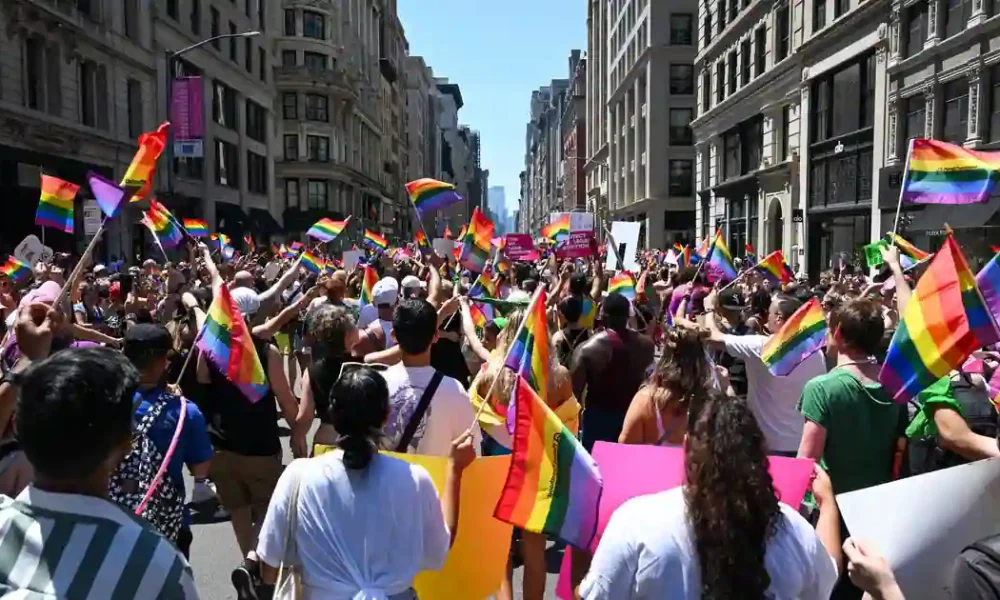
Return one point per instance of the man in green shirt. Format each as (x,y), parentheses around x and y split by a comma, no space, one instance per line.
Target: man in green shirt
(853,428)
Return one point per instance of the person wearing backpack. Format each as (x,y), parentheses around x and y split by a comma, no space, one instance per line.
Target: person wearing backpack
(165,421)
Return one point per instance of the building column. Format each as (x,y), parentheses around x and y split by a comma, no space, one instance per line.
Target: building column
(638,192)
(772,116)
(613,165)
(934,14)
(895,37)
(930,100)
(892,123)
(978,13)
(799,240)
(975,135)
(879,143)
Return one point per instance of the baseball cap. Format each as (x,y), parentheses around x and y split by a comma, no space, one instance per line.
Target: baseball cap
(411,282)
(386,292)
(100,269)
(246,300)
(45,293)
(147,339)
(732,300)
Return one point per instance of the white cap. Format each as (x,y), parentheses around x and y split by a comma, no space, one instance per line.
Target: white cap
(411,282)
(386,291)
(246,300)
(99,267)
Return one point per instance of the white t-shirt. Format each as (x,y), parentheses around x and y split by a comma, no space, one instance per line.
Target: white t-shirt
(448,415)
(648,551)
(772,399)
(369,531)
(367,315)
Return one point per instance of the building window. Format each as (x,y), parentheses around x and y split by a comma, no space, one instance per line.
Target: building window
(248,10)
(706,91)
(731,155)
(262,64)
(760,50)
(707,27)
(233,52)
(733,84)
(195,17)
(916,112)
(783,32)
(315,62)
(288,58)
(720,14)
(291,193)
(706,214)
(256,121)
(227,165)
(316,108)
(289,21)
(34,62)
(680,126)
(840,8)
(736,220)
(745,57)
(844,100)
(680,29)
(681,173)
(256,173)
(261,11)
(216,43)
(751,144)
(786,120)
(994,133)
(224,105)
(955,118)
(190,168)
(819,15)
(131,18)
(289,105)
(172,9)
(681,79)
(312,25)
(134,92)
(291,147)
(720,81)
(734,9)
(87,74)
(956,17)
(916,17)
(317,194)
(318,148)
(248,55)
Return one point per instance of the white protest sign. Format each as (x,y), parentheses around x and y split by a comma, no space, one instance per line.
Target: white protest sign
(31,250)
(443,247)
(581,221)
(272,270)
(921,524)
(626,235)
(352,258)
(91,218)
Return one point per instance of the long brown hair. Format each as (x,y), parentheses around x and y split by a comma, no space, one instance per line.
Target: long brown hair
(683,370)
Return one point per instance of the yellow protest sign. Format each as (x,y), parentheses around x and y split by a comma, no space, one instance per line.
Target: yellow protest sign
(478,560)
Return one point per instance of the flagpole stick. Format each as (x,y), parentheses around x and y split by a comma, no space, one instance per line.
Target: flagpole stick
(79,265)
(902,190)
(489,393)
(188,359)
(738,277)
(614,248)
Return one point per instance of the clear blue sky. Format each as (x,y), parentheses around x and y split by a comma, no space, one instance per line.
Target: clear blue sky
(498,52)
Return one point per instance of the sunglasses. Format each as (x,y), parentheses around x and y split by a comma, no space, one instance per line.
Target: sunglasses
(347,367)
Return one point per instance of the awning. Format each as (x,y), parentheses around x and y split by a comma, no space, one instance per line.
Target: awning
(263,222)
(957,216)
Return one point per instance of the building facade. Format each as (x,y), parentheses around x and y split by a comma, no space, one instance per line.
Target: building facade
(454,152)
(78,83)
(595,167)
(544,156)
(574,132)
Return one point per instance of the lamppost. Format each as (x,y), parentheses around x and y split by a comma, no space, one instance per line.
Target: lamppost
(169,87)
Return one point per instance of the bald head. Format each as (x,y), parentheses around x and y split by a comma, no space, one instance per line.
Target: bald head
(336,286)
(243,279)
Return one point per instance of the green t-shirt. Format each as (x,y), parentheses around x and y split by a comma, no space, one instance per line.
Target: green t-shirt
(862,426)
(937,395)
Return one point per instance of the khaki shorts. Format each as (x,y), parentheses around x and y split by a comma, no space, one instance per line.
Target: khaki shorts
(245,481)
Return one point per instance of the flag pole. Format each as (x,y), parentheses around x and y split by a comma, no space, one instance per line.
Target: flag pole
(489,393)
(79,265)
(902,190)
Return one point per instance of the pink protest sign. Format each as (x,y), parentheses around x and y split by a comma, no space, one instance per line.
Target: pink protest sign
(630,471)
(577,245)
(520,247)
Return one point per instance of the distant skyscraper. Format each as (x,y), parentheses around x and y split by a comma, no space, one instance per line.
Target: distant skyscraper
(496,198)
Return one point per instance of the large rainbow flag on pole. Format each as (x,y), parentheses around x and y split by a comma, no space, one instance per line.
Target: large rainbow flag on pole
(774,268)
(163,225)
(477,243)
(553,485)
(720,261)
(941,173)
(368,282)
(140,173)
(558,229)
(945,320)
(55,205)
(801,335)
(225,340)
(430,195)
(326,230)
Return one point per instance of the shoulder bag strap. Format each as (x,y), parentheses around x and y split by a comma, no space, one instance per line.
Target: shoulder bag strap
(166,458)
(418,414)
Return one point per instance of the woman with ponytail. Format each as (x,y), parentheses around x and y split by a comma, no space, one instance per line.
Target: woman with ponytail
(723,534)
(364,523)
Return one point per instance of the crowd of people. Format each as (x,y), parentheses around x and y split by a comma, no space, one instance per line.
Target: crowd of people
(106,399)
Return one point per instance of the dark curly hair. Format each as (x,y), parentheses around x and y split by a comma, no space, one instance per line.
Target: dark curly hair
(732,507)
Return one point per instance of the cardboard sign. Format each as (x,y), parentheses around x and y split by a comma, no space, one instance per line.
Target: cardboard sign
(626,236)
(873,254)
(443,247)
(581,221)
(31,250)
(520,246)
(578,245)
(352,258)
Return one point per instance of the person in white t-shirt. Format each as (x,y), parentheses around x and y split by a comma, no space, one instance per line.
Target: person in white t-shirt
(723,534)
(449,413)
(772,399)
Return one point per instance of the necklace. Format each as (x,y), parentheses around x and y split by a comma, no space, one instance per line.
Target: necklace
(867,361)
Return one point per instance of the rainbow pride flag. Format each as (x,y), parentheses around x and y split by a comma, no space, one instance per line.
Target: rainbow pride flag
(55,205)
(941,173)
(774,268)
(447,232)
(483,287)
(801,335)
(988,282)
(945,320)
(750,252)
(376,240)
(225,340)
(558,229)
(909,255)
(162,224)
(477,243)
(250,245)
(430,195)
(196,227)
(622,283)
(367,285)
(528,356)
(553,485)
(421,240)
(720,261)
(326,230)
(109,196)
(15,269)
(140,173)
(312,262)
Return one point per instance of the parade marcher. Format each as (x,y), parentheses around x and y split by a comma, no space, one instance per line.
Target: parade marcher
(572,331)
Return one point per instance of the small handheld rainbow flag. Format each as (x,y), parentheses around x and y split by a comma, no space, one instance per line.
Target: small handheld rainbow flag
(162,224)
(326,230)
(248,240)
(196,228)
(945,321)
(483,286)
(477,244)
(751,253)
(988,282)
(421,240)
(15,269)
(55,205)
(368,282)
(801,335)
(528,355)
(623,284)
(720,260)
(447,232)
(312,262)
(553,485)
(909,255)
(140,173)
(225,340)
(558,229)
(108,195)
(376,240)
(430,195)
(295,246)
(941,173)
(773,267)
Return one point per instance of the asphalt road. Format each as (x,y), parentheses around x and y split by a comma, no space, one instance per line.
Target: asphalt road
(214,554)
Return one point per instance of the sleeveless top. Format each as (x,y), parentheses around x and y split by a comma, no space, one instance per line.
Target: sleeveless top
(323,375)
(236,424)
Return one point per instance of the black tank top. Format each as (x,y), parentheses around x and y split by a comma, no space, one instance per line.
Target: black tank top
(238,425)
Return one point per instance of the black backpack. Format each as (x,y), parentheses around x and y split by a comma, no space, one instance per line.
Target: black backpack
(134,476)
(976,572)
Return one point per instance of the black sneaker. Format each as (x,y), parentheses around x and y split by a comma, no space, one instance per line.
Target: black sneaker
(245,582)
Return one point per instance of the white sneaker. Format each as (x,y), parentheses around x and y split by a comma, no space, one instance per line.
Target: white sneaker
(203,492)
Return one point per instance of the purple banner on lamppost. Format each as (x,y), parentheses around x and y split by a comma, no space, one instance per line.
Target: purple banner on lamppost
(187,117)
